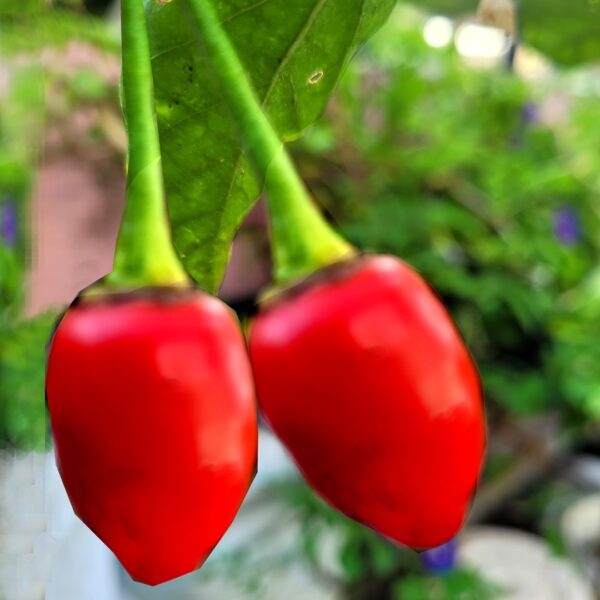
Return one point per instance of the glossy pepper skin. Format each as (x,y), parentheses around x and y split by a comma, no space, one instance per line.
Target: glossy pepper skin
(152,408)
(363,376)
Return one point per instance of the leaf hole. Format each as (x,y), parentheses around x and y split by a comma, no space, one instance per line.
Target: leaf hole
(316,77)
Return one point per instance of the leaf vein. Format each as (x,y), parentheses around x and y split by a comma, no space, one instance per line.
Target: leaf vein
(243,11)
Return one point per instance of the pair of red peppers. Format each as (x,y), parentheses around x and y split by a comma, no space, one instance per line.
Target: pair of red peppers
(359,371)
(355,363)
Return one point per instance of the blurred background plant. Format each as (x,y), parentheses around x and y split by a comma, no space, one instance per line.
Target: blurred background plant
(469,154)
(22,413)
(40,93)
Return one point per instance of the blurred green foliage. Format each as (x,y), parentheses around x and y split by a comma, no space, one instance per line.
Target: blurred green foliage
(25,32)
(364,555)
(8,7)
(27,28)
(19,134)
(23,418)
(32,31)
(22,342)
(455,171)
(456,585)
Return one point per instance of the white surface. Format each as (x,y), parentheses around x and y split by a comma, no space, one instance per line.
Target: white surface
(522,565)
(580,526)
(46,553)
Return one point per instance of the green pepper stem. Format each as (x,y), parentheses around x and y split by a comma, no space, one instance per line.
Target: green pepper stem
(302,240)
(144,254)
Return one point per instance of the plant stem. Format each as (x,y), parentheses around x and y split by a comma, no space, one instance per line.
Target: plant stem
(302,240)
(144,254)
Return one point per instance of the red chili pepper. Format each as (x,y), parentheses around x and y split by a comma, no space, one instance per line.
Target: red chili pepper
(363,376)
(152,408)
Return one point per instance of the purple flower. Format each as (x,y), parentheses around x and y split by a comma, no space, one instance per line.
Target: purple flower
(530,113)
(440,559)
(8,223)
(567,228)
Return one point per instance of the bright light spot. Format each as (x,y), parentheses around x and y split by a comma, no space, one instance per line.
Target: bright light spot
(438,31)
(481,42)
(531,65)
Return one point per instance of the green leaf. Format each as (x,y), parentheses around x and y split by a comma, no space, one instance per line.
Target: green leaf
(294,53)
